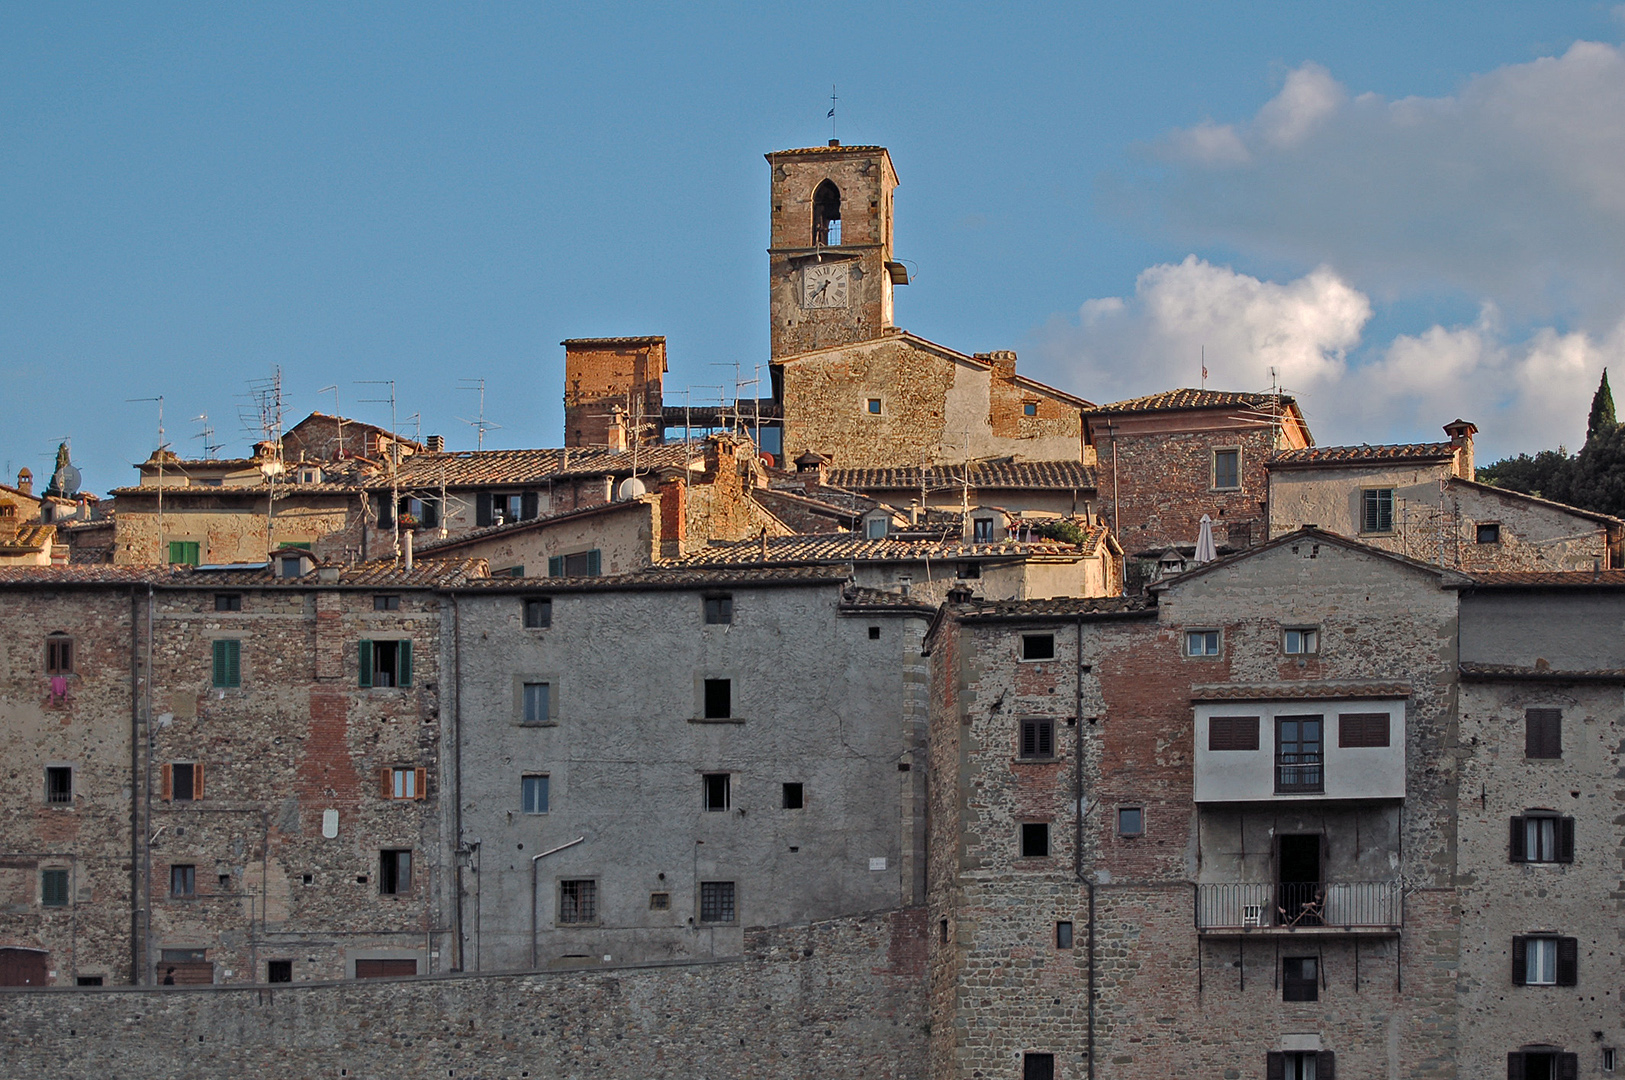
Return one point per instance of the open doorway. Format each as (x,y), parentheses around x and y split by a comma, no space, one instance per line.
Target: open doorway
(1299,891)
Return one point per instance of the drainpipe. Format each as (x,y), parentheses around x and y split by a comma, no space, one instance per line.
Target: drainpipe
(457,769)
(1091,979)
(135,789)
(1077,791)
(146,853)
(533,861)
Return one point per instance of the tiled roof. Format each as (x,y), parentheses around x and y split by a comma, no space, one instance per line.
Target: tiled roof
(283,489)
(524,524)
(429,573)
(858,599)
(1514,672)
(664,577)
(1550,579)
(645,340)
(825,150)
(809,514)
(850,547)
(485,468)
(1298,691)
(1363,454)
(1063,475)
(28,537)
(1189,399)
(83,574)
(1057,607)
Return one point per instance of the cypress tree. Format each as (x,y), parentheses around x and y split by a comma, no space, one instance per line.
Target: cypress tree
(1602,411)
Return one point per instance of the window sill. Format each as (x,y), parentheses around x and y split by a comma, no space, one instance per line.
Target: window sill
(1226,489)
(1379,532)
(594,925)
(1036,761)
(716,720)
(536,723)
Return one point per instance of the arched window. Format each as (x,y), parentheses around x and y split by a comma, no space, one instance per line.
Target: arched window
(827,215)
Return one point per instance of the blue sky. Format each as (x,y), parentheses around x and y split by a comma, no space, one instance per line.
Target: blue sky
(1405,209)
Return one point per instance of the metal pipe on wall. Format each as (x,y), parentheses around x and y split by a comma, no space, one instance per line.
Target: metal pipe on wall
(534,859)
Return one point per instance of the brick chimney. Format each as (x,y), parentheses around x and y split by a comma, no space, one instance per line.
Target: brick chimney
(1003,361)
(1461,434)
(813,469)
(436,444)
(615,436)
(673,513)
(25,481)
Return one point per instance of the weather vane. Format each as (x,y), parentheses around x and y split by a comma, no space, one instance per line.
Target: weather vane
(831,115)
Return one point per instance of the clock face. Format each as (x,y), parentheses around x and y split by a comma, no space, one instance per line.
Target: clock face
(824,286)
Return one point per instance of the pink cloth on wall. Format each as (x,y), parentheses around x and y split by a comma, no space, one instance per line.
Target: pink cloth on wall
(59,687)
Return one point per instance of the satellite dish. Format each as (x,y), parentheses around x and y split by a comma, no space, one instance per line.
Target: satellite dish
(66,480)
(631,488)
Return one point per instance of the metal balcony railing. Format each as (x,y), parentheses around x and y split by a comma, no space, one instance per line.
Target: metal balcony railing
(1246,906)
(1299,774)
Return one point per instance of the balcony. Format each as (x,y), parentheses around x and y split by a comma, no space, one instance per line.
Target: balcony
(1299,774)
(1300,907)
(1250,749)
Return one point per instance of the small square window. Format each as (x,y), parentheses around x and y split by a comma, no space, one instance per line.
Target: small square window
(538,613)
(228,601)
(53,888)
(538,698)
(533,794)
(1489,532)
(1300,642)
(1201,643)
(279,971)
(386,663)
(794,797)
(876,528)
(403,782)
(874,406)
(719,610)
(1029,408)
(1130,821)
(1037,1067)
(1542,838)
(1540,961)
(716,901)
(717,790)
(88,980)
(293,566)
(1227,469)
(386,603)
(578,901)
(395,872)
(184,552)
(981,530)
(1034,839)
(1063,934)
(1543,733)
(183,881)
(1037,739)
(874,633)
(660,901)
(224,881)
(1038,646)
(718,699)
(59,655)
(968,571)
(1300,978)
(59,785)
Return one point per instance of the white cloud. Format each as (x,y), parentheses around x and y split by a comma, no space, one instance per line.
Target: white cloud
(1309,97)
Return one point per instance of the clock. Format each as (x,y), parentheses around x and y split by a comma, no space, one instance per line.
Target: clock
(824,285)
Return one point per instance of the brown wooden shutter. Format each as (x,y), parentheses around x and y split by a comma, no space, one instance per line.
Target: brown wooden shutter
(164,782)
(1543,733)
(1568,1066)
(422,777)
(1568,961)
(1232,733)
(197,780)
(1362,729)
(1565,839)
(386,787)
(1275,1066)
(1325,1065)
(1515,850)
(1520,961)
(1515,1066)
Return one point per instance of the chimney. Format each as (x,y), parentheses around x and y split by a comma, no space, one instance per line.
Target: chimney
(616,434)
(406,537)
(813,469)
(25,481)
(437,444)
(960,594)
(1461,434)
(1003,361)
(673,514)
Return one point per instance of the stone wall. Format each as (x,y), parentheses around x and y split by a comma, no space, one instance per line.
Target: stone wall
(839,999)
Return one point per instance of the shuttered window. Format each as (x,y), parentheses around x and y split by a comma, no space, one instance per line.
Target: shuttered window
(1522,1064)
(1038,738)
(1232,733)
(228,654)
(1539,960)
(1542,837)
(1543,733)
(579,564)
(384,663)
(1362,729)
(402,782)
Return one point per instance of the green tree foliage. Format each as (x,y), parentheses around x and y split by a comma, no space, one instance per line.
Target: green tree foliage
(1602,411)
(1546,474)
(1063,531)
(1596,479)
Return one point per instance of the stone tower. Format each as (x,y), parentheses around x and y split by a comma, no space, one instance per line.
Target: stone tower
(830,266)
(602,375)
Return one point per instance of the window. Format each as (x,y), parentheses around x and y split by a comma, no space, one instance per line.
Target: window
(385,969)
(184,777)
(578,901)
(874,633)
(1029,408)
(88,980)
(1545,961)
(293,565)
(402,782)
(419,513)
(228,601)
(1489,532)
(1298,755)
(1543,1063)
(1232,733)
(183,881)
(719,610)
(1300,642)
(1201,643)
(228,655)
(394,871)
(538,613)
(1608,1059)
(533,794)
(660,901)
(1300,978)
(981,530)
(968,571)
(1362,730)
(1063,935)
(718,699)
(1227,469)
(717,790)
(538,697)
(579,564)
(59,784)
(1037,1067)
(386,663)
(386,603)
(507,507)
(184,552)
(794,797)
(1539,837)
(716,901)
(827,214)
(1034,839)
(942,931)
(53,888)
(1377,510)
(58,654)
(873,406)
(876,528)
(1300,1065)
(1130,821)
(1038,646)
(1037,739)
(1543,733)
(279,971)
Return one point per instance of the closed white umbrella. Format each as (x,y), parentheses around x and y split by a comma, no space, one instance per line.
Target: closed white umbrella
(1205,551)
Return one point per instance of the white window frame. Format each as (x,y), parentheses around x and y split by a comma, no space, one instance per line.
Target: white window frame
(1308,640)
(1546,949)
(1218,644)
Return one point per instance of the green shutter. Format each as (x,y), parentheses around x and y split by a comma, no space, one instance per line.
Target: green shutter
(555,566)
(184,551)
(54,888)
(366,663)
(594,567)
(227,663)
(403,663)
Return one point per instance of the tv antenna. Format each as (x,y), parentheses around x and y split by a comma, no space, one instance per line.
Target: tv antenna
(481,425)
(159,454)
(393,459)
(210,447)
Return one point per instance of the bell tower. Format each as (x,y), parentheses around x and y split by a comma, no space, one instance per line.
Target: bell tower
(830,265)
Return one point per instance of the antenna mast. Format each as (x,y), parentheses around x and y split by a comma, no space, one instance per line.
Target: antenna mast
(480,425)
(262,416)
(159,454)
(393,459)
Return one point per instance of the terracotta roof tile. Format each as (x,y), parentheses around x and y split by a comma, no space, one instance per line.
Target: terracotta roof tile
(850,547)
(1515,672)
(1058,607)
(859,599)
(826,150)
(1063,475)
(1188,399)
(1298,691)
(429,573)
(1550,579)
(486,468)
(665,577)
(282,489)
(1359,455)
(28,537)
(524,524)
